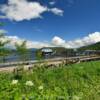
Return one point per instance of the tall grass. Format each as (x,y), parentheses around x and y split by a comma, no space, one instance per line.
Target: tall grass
(72,82)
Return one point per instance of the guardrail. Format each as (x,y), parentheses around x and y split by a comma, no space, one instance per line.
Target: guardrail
(54,60)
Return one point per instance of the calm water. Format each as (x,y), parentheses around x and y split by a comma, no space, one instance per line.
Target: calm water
(16,57)
(13,58)
(32,56)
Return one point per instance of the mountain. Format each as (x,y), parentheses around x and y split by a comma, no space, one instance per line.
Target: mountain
(13,51)
(95,46)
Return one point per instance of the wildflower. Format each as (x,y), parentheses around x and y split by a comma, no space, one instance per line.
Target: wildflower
(40,87)
(14,82)
(29,83)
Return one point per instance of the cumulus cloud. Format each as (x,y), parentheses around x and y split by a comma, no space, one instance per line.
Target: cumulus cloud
(22,9)
(56,11)
(55,42)
(35,44)
(16,39)
(58,41)
(29,44)
(19,10)
(87,40)
(90,39)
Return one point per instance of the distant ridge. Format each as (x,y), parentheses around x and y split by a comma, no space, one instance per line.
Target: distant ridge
(95,46)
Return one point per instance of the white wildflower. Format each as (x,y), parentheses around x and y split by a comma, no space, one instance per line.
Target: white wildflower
(14,82)
(29,83)
(40,87)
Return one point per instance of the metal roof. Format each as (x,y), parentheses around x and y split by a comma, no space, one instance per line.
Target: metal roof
(47,50)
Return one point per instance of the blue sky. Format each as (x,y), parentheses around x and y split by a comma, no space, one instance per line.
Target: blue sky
(53,22)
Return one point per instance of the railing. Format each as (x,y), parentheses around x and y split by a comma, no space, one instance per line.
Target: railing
(53,60)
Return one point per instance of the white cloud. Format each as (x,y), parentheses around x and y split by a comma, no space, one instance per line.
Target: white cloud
(90,39)
(56,11)
(29,44)
(52,2)
(22,9)
(58,41)
(35,44)
(87,40)
(19,10)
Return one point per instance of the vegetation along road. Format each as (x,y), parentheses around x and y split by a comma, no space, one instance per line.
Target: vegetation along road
(65,82)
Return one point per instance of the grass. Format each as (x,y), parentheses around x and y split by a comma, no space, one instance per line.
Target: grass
(71,82)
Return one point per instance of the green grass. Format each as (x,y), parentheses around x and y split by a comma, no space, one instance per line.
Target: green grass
(72,82)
